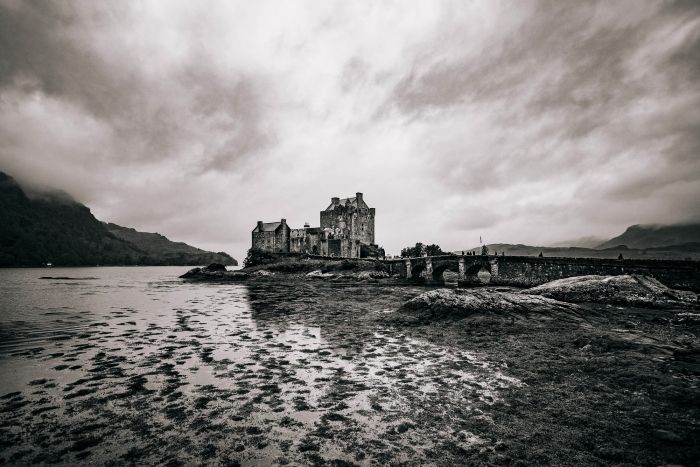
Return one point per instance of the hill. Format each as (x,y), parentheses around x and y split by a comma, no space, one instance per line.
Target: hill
(50,226)
(654,236)
(166,251)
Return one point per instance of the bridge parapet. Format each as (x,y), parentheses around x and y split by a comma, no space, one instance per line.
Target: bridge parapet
(530,271)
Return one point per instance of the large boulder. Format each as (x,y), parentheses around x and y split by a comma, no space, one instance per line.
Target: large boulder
(631,290)
(462,303)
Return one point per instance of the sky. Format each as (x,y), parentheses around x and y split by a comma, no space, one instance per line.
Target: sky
(524,121)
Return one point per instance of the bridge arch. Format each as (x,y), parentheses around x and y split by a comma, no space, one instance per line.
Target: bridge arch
(438,271)
(417,270)
(478,274)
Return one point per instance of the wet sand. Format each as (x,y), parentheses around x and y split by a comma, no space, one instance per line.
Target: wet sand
(144,369)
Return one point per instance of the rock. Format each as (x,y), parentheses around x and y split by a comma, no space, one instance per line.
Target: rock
(461,303)
(318,274)
(214,273)
(194,272)
(365,275)
(214,267)
(262,273)
(631,290)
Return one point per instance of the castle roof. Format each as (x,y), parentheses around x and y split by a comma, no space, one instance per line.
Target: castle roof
(268,227)
(343,202)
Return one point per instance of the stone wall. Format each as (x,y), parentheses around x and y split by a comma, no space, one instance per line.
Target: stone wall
(526,271)
(264,241)
(335,247)
(308,241)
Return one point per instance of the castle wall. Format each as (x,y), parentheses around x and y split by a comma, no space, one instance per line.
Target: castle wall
(276,241)
(353,225)
(307,240)
(265,241)
(297,241)
(335,247)
(282,238)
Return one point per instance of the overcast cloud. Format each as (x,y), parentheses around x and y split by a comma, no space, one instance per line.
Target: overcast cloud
(523,121)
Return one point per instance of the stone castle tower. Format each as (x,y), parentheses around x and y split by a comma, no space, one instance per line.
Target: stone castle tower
(350,224)
(347,230)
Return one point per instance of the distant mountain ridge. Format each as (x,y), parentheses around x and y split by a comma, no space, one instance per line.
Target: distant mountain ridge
(654,236)
(50,227)
(680,241)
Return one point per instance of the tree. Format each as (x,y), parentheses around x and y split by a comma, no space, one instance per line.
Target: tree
(256,256)
(434,250)
(412,252)
(484,250)
(421,249)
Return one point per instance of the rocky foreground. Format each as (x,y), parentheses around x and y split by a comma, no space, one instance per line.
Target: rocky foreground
(557,299)
(631,290)
(296,369)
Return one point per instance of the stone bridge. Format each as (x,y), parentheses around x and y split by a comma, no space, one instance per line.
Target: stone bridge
(529,271)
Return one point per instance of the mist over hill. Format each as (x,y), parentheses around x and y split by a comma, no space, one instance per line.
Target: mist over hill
(40,227)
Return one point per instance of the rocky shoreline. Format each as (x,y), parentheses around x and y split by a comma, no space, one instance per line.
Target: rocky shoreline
(313,270)
(625,290)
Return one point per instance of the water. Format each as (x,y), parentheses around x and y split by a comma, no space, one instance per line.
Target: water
(132,365)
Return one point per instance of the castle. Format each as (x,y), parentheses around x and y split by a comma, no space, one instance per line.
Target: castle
(347,230)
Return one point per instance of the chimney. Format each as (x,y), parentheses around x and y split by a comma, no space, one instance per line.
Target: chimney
(260,226)
(306,225)
(284,221)
(358,196)
(335,201)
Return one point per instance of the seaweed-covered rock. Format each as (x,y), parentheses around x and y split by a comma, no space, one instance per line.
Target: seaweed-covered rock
(632,290)
(462,303)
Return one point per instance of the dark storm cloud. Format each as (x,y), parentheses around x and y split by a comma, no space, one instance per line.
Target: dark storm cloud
(527,121)
(565,45)
(42,48)
(48,48)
